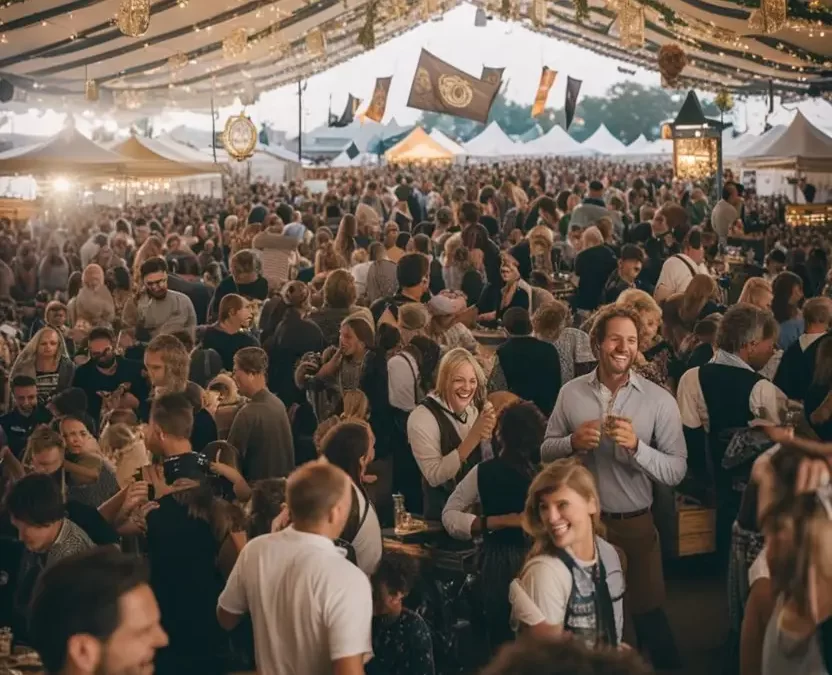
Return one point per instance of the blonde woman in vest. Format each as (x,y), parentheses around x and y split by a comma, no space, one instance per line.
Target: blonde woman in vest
(446,429)
(572,581)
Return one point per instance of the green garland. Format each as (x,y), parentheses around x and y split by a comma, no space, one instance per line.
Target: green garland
(797,10)
(668,15)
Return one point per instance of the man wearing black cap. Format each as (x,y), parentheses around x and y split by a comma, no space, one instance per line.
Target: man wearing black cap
(593,209)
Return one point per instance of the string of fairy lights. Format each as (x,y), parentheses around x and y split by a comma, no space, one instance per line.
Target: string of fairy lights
(640,24)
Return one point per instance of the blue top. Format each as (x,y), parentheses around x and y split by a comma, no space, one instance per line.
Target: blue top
(790,331)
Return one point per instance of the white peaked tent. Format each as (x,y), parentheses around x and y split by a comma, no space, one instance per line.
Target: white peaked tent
(734,147)
(556,141)
(661,147)
(603,142)
(801,147)
(492,143)
(446,142)
(816,110)
(763,142)
(638,146)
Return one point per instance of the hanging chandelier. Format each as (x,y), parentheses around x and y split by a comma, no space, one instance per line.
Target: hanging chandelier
(133,17)
(631,25)
(770,18)
(235,43)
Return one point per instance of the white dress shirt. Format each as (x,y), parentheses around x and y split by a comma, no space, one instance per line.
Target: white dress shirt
(456,518)
(766,401)
(676,275)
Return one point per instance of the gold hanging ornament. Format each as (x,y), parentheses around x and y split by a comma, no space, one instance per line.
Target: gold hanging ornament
(770,18)
(234,44)
(315,42)
(239,137)
(537,12)
(631,25)
(133,17)
(724,101)
(367,34)
(177,62)
(672,61)
(91,92)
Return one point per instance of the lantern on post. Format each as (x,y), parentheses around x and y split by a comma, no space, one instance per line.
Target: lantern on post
(697,143)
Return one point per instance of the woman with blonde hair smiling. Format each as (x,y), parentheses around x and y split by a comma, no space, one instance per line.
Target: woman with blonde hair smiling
(445,430)
(572,580)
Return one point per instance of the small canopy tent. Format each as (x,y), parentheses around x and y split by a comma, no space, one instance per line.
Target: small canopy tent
(732,147)
(447,142)
(492,143)
(556,141)
(148,158)
(801,147)
(604,143)
(418,147)
(68,152)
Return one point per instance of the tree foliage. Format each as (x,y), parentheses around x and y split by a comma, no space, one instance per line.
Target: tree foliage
(628,109)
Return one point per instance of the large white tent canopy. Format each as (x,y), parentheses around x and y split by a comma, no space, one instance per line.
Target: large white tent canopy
(604,143)
(554,142)
(492,142)
(447,143)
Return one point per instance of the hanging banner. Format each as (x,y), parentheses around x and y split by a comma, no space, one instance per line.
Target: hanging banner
(573,88)
(378,103)
(492,75)
(439,87)
(348,115)
(547,81)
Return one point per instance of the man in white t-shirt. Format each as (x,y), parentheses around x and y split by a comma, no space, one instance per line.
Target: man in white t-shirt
(311,609)
(678,270)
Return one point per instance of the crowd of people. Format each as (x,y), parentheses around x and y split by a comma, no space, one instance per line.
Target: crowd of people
(214,410)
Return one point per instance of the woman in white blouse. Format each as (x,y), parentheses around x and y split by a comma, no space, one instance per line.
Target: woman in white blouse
(499,486)
(572,580)
(445,430)
(349,446)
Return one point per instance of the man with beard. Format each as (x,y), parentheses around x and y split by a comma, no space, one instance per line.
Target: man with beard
(106,373)
(25,416)
(95,614)
(181,545)
(628,432)
(157,310)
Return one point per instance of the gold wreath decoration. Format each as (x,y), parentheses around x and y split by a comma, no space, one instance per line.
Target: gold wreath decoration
(455,91)
(239,137)
(672,61)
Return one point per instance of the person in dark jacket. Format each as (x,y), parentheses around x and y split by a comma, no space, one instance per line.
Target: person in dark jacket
(525,365)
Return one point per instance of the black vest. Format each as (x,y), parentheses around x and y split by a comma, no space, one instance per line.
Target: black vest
(727,392)
(532,370)
(503,489)
(449,440)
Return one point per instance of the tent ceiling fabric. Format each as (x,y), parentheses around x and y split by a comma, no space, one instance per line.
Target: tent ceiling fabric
(50,48)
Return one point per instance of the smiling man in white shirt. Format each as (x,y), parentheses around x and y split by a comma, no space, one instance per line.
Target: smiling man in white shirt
(311,609)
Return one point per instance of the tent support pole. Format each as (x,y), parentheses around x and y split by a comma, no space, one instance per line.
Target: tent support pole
(300,121)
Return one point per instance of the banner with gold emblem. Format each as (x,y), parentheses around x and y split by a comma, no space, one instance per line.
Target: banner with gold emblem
(547,81)
(439,87)
(492,75)
(378,103)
